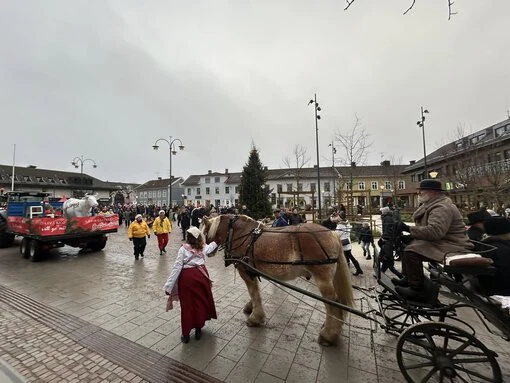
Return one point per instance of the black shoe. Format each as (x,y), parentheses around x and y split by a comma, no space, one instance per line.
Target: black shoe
(185,338)
(141,255)
(358,272)
(412,293)
(161,252)
(198,333)
(136,257)
(164,251)
(368,258)
(404,282)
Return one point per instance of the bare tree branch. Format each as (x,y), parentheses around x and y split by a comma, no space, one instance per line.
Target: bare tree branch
(411,7)
(450,13)
(450,4)
(349,3)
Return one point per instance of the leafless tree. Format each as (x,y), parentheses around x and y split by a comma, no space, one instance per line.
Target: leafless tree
(353,151)
(413,2)
(296,163)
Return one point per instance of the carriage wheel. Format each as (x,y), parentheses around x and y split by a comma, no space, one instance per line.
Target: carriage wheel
(34,250)
(399,318)
(440,352)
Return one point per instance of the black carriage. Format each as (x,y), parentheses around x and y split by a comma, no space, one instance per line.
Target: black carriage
(435,342)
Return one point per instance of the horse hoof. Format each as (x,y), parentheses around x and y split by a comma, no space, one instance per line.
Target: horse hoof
(325,342)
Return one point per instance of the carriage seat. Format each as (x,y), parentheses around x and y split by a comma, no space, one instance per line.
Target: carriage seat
(472,264)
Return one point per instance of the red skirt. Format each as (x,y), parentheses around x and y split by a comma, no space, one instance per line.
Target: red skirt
(196,299)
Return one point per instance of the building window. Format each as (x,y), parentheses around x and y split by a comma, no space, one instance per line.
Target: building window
(217,180)
(198,191)
(189,191)
(207,191)
(300,187)
(279,188)
(164,193)
(476,139)
(159,193)
(327,187)
(273,198)
(289,187)
(236,190)
(401,185)
(387,185)
(313,186)
(217,190)
(348,185)
(506,154)
(375,185)
(361,185)
(413,178)
(207,180)
(227,189)
(500,131)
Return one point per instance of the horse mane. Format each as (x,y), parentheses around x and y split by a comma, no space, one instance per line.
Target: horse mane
(215,223)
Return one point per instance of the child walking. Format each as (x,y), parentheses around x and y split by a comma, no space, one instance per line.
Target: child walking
(189,283)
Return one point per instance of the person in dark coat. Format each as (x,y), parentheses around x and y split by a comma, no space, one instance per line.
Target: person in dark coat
(185,221)
(196,215)
(279,221)
(498,231)
(366,238)
(476,231)
(439,230)
(295,218)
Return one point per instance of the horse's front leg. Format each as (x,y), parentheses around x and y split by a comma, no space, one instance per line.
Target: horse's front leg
(254,306)
(332,326)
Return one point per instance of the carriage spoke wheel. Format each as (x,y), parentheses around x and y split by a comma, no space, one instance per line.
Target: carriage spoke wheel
(440,352)
(400,318)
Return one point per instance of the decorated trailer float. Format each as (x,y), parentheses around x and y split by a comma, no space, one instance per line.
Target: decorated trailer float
(46,223)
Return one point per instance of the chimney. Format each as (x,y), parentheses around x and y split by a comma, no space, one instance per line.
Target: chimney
(265,168)
(159,178)
(31,167)
(209,172)
(385,163)
(412,162)
(226,171)
(353,164)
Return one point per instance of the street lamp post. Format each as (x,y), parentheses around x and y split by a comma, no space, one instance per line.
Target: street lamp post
(80,160)
(171,146)
(421,124)
(333,152)
(317,108)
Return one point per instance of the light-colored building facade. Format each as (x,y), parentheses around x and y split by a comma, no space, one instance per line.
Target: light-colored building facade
(157,192)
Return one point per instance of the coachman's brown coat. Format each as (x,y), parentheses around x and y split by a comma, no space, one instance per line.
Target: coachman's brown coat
(439,230)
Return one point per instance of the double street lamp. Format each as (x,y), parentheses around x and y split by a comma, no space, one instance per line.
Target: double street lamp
(79,161)
(172,152)
(317,109)
(421,124)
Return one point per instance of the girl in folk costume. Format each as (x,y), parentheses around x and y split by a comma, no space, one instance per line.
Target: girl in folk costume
(343,231)
(189,283)
(162,227)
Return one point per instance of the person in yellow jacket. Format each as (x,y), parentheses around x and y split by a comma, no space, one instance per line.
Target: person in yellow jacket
(136,233)
(162,226)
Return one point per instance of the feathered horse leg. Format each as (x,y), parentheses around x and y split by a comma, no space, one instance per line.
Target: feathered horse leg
(254,307)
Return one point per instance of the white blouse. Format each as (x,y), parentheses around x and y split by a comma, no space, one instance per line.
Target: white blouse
(343,230)
(187,259)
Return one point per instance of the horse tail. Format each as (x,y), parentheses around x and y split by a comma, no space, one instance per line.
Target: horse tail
(342,284)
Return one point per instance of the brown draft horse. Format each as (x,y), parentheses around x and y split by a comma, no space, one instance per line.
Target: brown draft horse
(286,253)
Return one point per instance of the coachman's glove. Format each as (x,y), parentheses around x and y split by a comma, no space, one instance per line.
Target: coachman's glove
(404,227)
(130,239)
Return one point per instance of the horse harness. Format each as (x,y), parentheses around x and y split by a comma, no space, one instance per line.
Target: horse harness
(249,256)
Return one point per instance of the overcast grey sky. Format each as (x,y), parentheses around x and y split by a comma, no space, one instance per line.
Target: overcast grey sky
(105,79)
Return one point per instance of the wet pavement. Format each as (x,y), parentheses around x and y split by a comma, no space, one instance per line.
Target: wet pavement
(105,308)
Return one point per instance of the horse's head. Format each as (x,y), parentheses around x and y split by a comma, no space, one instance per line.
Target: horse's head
(215,229)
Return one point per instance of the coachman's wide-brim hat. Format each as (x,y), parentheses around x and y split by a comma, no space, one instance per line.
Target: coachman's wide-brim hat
(497,226)
(478,216)
(431,185)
